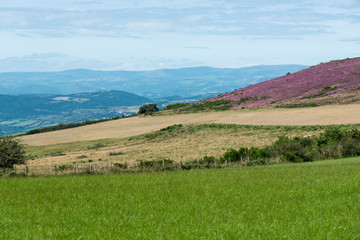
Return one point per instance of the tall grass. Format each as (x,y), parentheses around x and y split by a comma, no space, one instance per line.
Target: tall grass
(291,201)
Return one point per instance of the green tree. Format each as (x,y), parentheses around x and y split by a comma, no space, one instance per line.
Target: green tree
(148,109)
(11,152)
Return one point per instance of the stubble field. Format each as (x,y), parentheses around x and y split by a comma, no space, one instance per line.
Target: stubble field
(326,115)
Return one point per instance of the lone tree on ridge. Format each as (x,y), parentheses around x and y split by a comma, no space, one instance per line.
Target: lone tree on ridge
(148,109)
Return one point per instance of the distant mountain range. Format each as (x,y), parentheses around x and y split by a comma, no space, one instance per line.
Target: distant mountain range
(185,82)
(327,83)
(35,100)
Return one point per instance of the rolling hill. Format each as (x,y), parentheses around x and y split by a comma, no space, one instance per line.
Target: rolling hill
(152,84)
(19,113)
(327,83)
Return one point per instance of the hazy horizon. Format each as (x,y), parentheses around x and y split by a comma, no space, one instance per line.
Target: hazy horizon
(155,69)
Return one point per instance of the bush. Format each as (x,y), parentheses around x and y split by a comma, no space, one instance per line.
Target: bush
(254,154)
(209,159)
(148,109)
(176,106)
(233,155)
(11,152)
(259,153)
(115,153)
(219,105)
(300,147)
(65,167)
(121,165)
(292,157)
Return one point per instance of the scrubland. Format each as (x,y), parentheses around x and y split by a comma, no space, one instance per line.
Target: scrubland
(206,133)
(183,143)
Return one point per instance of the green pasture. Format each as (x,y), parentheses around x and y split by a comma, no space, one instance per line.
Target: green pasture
(318,200)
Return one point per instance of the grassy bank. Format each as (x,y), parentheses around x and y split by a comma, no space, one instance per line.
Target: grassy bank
(317,200)
(176,142)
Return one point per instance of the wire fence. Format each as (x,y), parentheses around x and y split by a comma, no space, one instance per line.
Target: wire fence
(110,167)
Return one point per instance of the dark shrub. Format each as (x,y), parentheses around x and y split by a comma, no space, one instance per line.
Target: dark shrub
(11,152)
(233,155)
(292,158)
(299,146)
(259,153)
(349,147)
(209,159)
(65,167)
(148,109)
(330,135)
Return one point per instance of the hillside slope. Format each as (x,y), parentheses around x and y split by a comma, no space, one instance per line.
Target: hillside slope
(324,115)
(326,83)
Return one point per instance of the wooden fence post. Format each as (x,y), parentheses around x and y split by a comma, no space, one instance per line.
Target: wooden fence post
(77,168)
(26,170)
(180,165)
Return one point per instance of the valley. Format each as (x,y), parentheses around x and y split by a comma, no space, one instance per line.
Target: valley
(179,162)
(180,120)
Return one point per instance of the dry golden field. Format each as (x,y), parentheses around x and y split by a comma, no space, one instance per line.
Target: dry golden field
(326,115)
(188,142)
(138,138)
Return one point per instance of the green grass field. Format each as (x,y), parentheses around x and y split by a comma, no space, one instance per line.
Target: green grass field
(319,200)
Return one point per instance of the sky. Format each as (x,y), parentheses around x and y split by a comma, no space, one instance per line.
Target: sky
(43,35)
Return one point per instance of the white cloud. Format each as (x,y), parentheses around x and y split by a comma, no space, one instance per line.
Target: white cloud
(341,3)
(146,26)
(133,34)
(52,61)
(240,20)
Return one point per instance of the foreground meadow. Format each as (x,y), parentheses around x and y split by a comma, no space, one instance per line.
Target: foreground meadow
(319,200)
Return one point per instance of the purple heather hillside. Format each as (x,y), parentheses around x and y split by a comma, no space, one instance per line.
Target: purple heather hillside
(327,83)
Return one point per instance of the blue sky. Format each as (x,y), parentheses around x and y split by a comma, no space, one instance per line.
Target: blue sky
(42,35)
